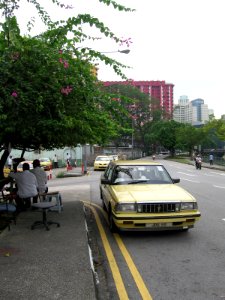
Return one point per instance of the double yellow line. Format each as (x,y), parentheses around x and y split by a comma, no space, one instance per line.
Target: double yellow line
(113,264)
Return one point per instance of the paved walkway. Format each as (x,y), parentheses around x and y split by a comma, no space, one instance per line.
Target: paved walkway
(54,264)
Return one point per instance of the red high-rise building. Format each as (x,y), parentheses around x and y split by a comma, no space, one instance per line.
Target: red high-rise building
(156,90)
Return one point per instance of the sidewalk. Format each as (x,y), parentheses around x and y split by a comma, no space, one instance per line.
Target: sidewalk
(54,264)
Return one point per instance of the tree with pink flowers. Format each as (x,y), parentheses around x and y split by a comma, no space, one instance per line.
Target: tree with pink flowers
(49,97)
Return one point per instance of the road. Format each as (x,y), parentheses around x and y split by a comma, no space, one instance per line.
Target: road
(165,265)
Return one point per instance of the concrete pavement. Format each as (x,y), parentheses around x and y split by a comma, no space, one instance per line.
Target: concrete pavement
(54,264)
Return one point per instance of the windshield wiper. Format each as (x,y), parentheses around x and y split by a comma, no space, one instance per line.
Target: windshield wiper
(137,181)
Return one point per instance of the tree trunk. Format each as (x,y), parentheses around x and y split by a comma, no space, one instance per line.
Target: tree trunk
(2,164)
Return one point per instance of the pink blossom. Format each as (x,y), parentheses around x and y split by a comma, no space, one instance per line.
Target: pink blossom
(66,90)
(14,94)
(66,6)
(61,60)
(125,41)
(66,64)
(60,52)
(15,55)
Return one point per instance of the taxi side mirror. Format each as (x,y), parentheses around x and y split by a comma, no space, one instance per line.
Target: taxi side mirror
(105,181)
(176,180)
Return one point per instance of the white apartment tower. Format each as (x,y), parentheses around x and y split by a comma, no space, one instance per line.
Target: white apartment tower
(193,112)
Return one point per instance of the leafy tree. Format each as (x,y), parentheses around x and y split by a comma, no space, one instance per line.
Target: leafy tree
(137,105)
(49,96)
(188,136)
(216,127)
(164,133)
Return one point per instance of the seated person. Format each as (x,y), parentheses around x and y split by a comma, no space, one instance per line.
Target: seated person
(121,177)
(27,187)
(41,176)
(139,175)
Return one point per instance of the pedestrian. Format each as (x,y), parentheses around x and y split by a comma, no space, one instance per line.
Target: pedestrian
(10,162)
(56,161)
(41,177)
(211,159)
(27,187)
(68,157)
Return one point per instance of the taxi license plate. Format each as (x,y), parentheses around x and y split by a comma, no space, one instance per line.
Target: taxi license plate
(158,225)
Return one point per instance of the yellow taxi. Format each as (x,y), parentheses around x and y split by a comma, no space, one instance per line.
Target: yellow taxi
(20,165)
(141,195)
(6,171)
(46,163)
(101,162)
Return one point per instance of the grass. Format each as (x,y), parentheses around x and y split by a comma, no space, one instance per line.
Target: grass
(60,175)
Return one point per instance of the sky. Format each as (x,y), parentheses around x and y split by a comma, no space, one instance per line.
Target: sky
(176,41)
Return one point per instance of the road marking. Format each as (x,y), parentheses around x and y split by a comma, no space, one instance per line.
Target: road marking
(190,180)
(134,272)
(209,175)
(111,259)
(222,174)
(187,174)
(219,186)
(223,219)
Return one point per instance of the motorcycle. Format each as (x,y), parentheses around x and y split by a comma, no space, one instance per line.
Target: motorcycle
(198,163)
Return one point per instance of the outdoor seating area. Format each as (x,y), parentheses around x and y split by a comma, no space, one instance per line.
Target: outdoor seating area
(47,202)
(8,211)
(44,207)
(50,197)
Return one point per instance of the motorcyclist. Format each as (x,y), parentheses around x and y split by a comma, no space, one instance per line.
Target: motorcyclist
(198,162)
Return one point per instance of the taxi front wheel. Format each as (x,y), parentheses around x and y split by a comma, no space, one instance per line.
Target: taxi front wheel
(112,226)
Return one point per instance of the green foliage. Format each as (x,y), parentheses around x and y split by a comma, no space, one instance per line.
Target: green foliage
(49,97)
(60,174)
(137,106)
(189,136)
(216,127)
(163,133)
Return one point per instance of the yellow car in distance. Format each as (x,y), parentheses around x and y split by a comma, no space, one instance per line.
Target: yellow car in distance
(20,165)
(101,162)
(141,195)
(46,163)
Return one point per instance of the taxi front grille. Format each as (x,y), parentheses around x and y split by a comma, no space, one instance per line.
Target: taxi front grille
(157,208)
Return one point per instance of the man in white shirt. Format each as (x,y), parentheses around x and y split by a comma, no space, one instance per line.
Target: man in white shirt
(41,177)
(10,161)
(27,186)
(56,161)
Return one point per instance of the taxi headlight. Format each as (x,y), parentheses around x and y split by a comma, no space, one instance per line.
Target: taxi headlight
(125,207)
(188,205)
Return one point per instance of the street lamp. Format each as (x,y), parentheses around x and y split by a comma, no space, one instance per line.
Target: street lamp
(126,51)
(132,140)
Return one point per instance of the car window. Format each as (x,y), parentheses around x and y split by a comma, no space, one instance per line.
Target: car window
(102,159)
(108,172)
(148,174)
(44,159)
